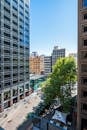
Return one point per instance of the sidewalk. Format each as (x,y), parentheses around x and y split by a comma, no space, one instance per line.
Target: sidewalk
(18,112)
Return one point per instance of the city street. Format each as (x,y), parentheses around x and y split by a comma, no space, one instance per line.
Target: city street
(15,115)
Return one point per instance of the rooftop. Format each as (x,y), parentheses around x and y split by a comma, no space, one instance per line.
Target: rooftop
(35,76)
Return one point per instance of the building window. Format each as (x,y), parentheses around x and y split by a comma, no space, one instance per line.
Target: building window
(27,5)
(15,1)
(21,7)
(22,1)
(84,81)
(15,23)
(84,93)
(85,42)
(7,26)
(15,30)
(84,3)
(85,28)
(84,107)
(84,124)
(15,8)
(84,55)
(26,12)
(7,10)
(7,1)
(7,18)
(15,15)
(7,35)
(85,16)
(84,67)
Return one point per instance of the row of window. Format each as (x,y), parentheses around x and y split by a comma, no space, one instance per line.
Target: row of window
(84,56)
(16,45)
(16,9)
(22,26)
(16,2)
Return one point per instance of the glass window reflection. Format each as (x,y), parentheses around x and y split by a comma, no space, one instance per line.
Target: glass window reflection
(84,3)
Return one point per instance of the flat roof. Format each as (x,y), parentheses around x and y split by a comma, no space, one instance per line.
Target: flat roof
(60,116)
(36,76)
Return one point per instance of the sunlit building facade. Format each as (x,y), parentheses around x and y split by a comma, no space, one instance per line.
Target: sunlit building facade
(14,51)
(57,53)
(82,66)
(36,64)
(47,65)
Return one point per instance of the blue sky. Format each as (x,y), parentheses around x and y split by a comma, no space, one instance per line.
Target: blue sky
(53,22)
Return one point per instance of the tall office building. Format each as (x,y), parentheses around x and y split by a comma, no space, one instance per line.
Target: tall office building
(82,66)
(47,65)
(14,51)
(57,53)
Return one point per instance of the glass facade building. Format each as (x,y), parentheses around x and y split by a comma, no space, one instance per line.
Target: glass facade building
(14,51)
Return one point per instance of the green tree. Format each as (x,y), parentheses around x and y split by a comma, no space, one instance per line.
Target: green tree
(61,81)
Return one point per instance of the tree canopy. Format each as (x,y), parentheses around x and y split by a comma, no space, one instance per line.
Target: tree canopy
(61,81)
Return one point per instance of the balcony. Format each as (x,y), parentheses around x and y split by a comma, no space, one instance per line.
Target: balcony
(22,64)
(15,78)
(7,63)
(6,30)
(15,46)
(7,47)
(7,55)
(21,56)
(15,70)
(21,77)
(1,79)
(27,77)
(7,85)
(7,4)
(15,74)
(15,34)
(15,56)
(15,41)
(21,70)
(6,80)
(7,14)
(15,19)
(7,72)
(7,39)
(15,64)
(22,74)
(15,49)
(21,50)
(15,12)
(21,53)
(7,22)
(21,80)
